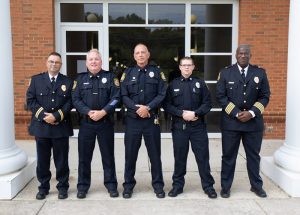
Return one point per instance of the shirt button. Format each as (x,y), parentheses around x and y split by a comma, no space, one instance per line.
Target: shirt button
(245,85)
(53,92)
(52,108)
(244,93)
(52,100)
(141,90)
(244,101)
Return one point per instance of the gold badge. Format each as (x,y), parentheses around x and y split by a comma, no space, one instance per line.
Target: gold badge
(256,79)
(218,76)
(74,85)
(123,76)
(116,81)
(63,87)
(163,77)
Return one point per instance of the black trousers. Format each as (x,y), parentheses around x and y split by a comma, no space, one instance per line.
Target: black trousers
(104,132)
(135,129)
(60,147)
(230,146)
(197,135)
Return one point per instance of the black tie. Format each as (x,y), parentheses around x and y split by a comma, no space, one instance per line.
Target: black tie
(243,75)
(52,81)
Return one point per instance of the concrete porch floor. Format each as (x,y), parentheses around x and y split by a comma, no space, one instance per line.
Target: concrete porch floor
(144,201)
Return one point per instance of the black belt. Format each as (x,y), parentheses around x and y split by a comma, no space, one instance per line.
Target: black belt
(177,119)
(86,118)
(135,115)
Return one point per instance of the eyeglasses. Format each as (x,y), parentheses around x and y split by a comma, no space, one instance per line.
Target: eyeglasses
(186,65)
(54,62)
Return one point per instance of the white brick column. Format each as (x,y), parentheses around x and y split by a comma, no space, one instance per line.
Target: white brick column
(284,167)
(12,159)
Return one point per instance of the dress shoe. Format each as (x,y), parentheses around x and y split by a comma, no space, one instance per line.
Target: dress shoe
(81,194)
(225,193)
(113,193)
(127,194)
(41,195)
(62,194)
(211,193)
(174,192)
(259,192)
(160,194)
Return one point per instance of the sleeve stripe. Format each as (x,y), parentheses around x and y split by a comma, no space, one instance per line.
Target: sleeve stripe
(259,106)
(38,112)
(61,114)
(229,108)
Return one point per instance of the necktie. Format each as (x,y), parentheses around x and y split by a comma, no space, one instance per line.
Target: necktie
(243,75)
(52,81)
(187,95)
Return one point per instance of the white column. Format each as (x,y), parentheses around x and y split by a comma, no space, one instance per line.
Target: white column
(284,167)
(12,159)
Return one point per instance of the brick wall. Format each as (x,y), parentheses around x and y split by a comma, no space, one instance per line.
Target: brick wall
(263,24)
(33,39)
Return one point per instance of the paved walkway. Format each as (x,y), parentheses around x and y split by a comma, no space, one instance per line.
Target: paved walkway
(143,201)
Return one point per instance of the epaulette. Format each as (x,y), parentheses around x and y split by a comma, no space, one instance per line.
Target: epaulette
(227,67)
(256,66)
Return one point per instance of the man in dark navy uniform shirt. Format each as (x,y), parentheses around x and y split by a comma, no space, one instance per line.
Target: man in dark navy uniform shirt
(188,100)
(143,88)
(95,96)
(243,92)
(49,99)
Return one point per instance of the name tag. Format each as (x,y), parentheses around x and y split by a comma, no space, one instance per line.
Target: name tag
(176,90)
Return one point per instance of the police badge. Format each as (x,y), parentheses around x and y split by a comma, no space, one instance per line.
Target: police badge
(198,85)
(256,79)
(151,74)
(104,80)
(63,87)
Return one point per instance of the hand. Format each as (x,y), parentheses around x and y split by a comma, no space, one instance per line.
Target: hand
(142,111)
(49,118)
(244,116)
(96,115)
(189,115)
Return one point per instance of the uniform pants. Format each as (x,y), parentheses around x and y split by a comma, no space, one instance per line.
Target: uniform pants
(60,147)
(230,146)
(104,132)
(135,129)
(199,142)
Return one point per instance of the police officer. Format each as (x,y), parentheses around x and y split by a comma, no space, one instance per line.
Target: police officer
(49,99)
(95,96)
(188,100)
(243,92)
(143,88)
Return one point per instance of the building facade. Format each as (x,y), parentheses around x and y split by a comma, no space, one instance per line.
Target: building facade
(208,31)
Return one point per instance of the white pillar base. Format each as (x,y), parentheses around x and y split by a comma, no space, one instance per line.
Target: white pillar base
(12,184)
(287,180)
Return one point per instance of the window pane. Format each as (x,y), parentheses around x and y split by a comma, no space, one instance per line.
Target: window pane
(81,41)
(166,14)
(166,46)
(81,12)
(209,66)
(75,65)
(211,14)
(211,40)
(213,120)
(127,13)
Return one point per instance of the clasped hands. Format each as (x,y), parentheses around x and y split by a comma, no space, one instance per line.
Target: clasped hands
(96,115)
(188,115)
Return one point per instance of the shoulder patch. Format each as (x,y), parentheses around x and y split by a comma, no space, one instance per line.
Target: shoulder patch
(116,82)
(123,76)
(163,77)
(74,85)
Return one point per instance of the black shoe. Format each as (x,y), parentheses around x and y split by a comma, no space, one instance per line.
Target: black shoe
(62,194)
(225,193)
(127,194)
(81,194)
(41,195)
(211,193)
(175,191)
(160,194)
(113,193)
(259,192)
